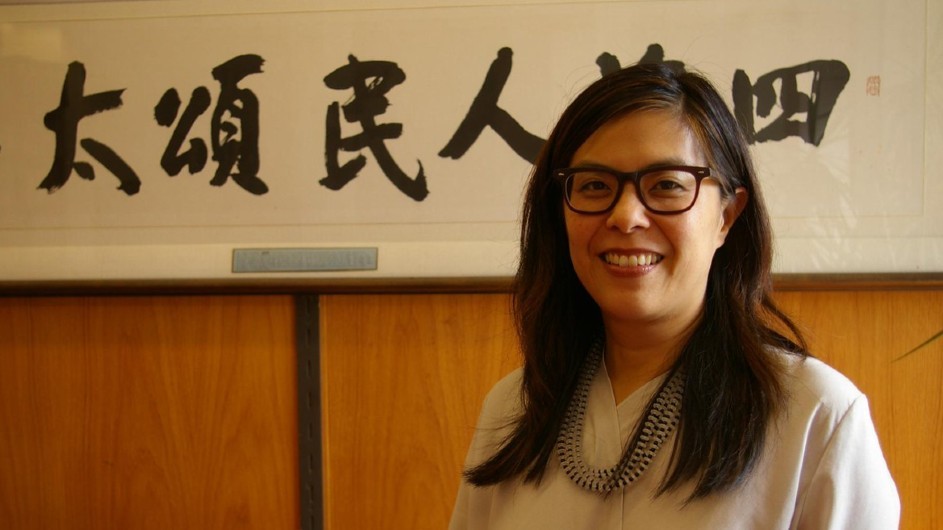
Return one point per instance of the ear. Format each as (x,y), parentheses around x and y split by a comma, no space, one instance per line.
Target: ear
(733,207)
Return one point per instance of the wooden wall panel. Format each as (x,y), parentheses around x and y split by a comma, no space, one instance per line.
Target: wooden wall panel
(180,412)
(403,377)
(148,413)
(867,336)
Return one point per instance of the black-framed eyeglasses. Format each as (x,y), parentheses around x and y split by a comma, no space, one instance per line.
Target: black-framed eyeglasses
(661,189)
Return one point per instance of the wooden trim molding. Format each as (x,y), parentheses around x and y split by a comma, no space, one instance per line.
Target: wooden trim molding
(927,281)
(932,281)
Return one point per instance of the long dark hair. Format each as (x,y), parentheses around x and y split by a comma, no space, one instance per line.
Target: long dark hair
(732,388)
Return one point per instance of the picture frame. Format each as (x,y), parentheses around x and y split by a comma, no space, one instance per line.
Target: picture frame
(463,96)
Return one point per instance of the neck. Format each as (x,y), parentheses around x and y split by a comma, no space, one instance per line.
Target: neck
(636,354)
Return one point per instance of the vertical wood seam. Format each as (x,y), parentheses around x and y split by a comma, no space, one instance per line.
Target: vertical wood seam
(309,412)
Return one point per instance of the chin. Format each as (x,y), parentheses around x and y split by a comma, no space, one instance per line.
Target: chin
(622,310)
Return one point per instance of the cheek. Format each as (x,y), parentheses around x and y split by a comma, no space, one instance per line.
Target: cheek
(579,241)
(697,238)
(573,228)
(705,228)
(580,233)
(718,231)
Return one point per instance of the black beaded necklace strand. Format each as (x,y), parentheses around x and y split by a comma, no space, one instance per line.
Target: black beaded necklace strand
(661,420)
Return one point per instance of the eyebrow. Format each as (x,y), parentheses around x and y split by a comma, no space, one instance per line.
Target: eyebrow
(671,161)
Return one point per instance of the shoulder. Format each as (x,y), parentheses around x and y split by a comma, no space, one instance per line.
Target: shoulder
(827,441)
(819,400)
(503,401)
(824,413)
(809,382)
(501,408)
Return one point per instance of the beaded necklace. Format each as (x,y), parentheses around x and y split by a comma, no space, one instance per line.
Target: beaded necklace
(661,420)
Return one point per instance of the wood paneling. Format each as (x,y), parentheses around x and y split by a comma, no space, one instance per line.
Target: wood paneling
(180,412)
(867,336)
(403,377)
(145,413)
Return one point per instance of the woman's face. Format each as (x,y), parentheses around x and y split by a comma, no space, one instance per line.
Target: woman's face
(638,266)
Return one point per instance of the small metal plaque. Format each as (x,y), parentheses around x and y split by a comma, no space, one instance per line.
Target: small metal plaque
(304,259)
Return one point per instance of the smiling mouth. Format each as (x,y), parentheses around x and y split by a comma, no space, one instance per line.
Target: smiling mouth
(635,260)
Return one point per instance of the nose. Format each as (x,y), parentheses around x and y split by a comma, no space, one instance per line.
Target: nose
(629,213)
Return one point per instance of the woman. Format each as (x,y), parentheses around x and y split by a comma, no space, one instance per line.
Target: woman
(659,387)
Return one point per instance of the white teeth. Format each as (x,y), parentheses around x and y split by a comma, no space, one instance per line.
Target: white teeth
(635,260)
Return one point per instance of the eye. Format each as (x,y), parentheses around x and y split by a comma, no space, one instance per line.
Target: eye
(668,183)
(593,183)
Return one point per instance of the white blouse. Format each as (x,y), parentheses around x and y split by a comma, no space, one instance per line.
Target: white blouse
(822,468)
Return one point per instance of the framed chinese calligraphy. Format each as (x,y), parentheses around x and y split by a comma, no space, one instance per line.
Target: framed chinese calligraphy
(156,140)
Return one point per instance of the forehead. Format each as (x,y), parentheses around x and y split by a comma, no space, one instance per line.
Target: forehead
(641,139)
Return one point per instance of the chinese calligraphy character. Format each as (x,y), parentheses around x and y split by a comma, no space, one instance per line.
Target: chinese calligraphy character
(235,125)
(369,101)
(165,113)
(234,128)
(485,112)
(828,80)
(64,122)
(609,63)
